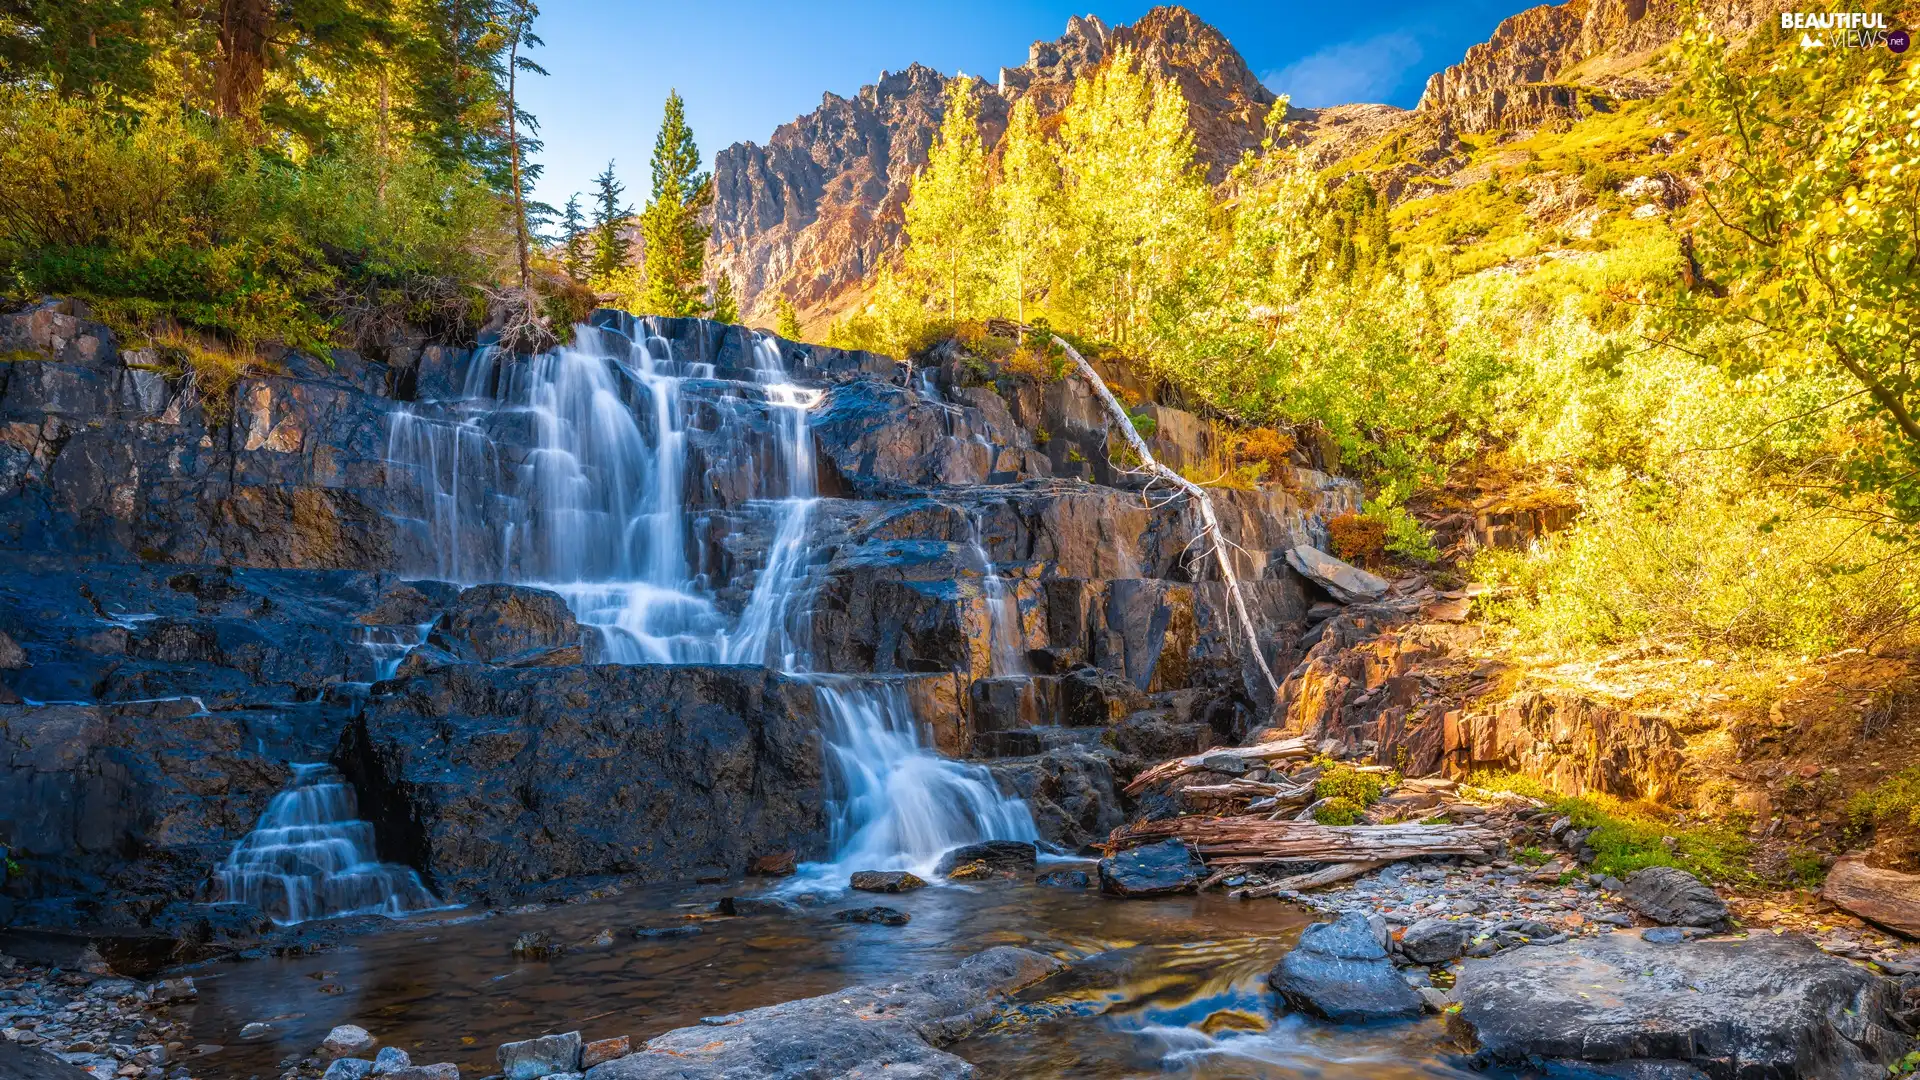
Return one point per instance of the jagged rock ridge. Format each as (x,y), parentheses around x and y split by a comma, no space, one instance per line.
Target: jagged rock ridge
(810,214)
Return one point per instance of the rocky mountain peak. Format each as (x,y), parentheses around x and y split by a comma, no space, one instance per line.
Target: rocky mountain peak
(810,214)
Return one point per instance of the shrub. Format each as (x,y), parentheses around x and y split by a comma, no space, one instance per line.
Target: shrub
(1628,837)
(1892,799)
(1339,811)
(1265,444)
(1339,780)
(1357,538)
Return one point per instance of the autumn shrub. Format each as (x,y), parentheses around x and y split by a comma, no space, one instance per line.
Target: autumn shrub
(1357,538)
(1265,444)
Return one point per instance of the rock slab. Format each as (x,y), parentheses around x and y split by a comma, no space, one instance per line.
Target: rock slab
(886,881)
(1887,898)
(1436,941)
(1163,869)
(348,1040)
(1340,972)
(892,1030)
(1767,1006)
(1672,897)
(1343,581)
(532,1059)
(1000,857)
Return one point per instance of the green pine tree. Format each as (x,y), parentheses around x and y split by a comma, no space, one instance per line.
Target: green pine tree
(726,306)
(573,231)
(610,244)
(786,321)
(670,229)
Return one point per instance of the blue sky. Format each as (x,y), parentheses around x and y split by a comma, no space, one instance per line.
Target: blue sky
(747,66)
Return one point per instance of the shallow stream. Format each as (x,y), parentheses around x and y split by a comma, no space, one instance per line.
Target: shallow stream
(1171,987)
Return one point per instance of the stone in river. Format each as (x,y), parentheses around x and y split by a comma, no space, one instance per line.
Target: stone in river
(885,916)
(1766,1006)
(348,1068)
(1672,897)
(887,881)
(1888,898)
(256,1030)
(444,1070)
(390,1059)
(1339,972)
(779,864)
(1435,941)
(1166,868)
(603,1050)
(1065,879)
(347,1040)
(536,1058)
(1001,857)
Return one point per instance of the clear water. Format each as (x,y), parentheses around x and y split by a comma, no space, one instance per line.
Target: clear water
(312,857)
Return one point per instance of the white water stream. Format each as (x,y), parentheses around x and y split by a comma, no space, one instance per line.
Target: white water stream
(598,512)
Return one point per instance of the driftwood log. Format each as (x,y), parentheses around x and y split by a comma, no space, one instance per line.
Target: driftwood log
(1315,879)
(1261,753)
(1254,840)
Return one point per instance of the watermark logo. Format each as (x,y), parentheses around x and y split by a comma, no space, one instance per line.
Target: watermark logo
(1844,30)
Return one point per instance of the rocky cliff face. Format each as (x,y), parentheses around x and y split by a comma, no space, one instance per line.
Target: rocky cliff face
(1582,43)
(810,214)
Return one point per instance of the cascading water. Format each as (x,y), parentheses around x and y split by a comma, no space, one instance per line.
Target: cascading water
(1004,635)
(311,857)
(598,512)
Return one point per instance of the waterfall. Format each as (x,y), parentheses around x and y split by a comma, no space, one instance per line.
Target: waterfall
(597,509)
(1004,634)
(310,857)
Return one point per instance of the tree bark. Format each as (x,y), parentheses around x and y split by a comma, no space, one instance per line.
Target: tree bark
(245,28)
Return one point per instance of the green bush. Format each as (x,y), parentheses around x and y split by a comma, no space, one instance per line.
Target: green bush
(1893,799)
(1626,838)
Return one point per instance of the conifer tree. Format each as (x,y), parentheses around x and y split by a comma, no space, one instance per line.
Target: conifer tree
(670,229)
(610,244)
(786,321)
(573,231)
(516,26)
(1027,208)
(947,215)
(726,306)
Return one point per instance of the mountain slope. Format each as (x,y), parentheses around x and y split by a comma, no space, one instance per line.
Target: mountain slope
(810,214)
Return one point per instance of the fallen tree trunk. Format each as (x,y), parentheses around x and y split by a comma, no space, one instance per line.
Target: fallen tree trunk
(1210,525)
(1251,840)
(1241,787)
(1281,750)
(1315,879)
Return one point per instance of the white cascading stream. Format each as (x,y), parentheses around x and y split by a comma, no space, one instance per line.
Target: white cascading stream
(597,511)
(311,857)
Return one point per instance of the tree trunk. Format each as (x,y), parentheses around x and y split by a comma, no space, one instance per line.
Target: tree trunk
(245,27)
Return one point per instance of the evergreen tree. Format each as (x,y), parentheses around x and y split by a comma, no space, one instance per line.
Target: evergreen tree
(675,241)
(610,244)
(573,230)
(516,27)
(725,306)
(947,214)
(1027,208)
(786,321)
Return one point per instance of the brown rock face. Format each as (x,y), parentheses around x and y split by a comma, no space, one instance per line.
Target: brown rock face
(810,214)
(1886,897)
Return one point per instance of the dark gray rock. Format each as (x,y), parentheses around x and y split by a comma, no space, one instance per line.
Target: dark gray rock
(1672,897)
(1162,869)
(1766,1006)
(389,1059)
(885,916)
(1000,857)
(532,1059)
(858,1031)
(1339,972)
(886,881)
(1435,941)
(1065,879)
(348,1069)
(19,1062)
(1344,582)
(545,773)
(499,623)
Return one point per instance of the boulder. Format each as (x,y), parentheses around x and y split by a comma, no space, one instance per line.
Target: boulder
(390,1059)
(444,1070)
(18,1062)
(778,864)
(1436,941)
(532,1059)
(1161,869)
(885,916)
(891,1030)
(348,1040)
(348,1068)
(1000,857)
(1672,897)
(1343,581)
(1340,972)
(600,1051)
(1886,898)
(496,623)
(887,881)
(1772,1006)
(1065,879)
